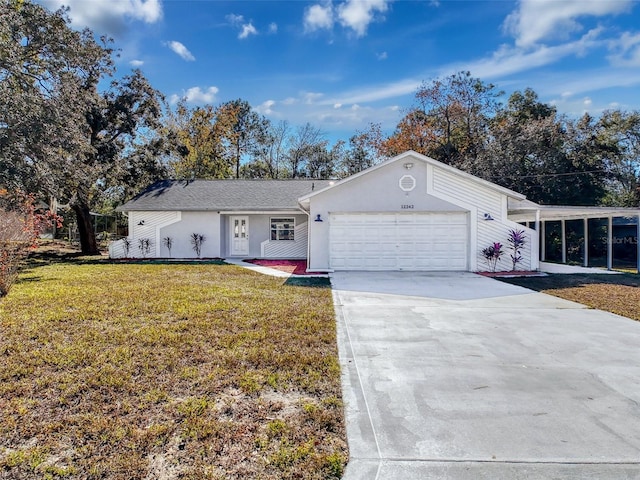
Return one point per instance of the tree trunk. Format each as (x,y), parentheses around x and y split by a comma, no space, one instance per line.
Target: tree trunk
(238,160)
(88,244)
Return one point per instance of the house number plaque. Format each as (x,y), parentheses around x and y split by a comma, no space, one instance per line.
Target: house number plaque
(406,207)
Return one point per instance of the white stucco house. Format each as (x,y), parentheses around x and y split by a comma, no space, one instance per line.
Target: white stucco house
(409,212)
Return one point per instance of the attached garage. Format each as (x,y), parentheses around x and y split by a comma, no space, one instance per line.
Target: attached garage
(412,212)
(399,241)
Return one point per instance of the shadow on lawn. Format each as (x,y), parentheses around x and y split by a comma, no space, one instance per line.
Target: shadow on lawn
(309,282)
(558,281)
(44,257)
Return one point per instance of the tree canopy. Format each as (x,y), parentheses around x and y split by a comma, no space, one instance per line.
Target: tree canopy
(70,130)
(59,133)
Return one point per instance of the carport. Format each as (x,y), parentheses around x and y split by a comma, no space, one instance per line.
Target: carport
(539,217)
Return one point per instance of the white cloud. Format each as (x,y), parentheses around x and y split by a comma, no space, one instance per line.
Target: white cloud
(136,63)
(376,93)
(311,97)
(535,21)
(181,50)
(108,16)
(508,59)
(247,29)
(626,50)
(358,14)
(334,116)
(273,28)
(317,17)
(196,95)
(382,56)
(589,81)
(234,19)
(266,108)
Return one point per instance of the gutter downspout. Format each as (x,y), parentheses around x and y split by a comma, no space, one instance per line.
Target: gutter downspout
(308,214)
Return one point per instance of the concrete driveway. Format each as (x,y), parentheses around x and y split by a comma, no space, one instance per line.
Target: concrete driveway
(458,376)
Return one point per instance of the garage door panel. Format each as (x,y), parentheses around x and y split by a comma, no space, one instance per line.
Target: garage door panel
(418,241)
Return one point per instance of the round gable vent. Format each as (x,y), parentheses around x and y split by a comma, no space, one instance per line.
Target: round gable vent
(407,183)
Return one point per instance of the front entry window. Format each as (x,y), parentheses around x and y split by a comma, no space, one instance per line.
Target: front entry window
(240,228)
(282,228)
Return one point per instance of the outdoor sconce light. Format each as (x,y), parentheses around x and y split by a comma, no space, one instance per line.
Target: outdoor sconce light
(408,165)
(318,218)
(141,222)
(487,216)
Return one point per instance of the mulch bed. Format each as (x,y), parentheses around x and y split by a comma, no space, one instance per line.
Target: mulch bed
(515,273)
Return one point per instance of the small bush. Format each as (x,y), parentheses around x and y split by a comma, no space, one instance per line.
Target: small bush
(20,226)
(126,243)
(168,242)
(517,240)
(492,255)
(197,240)
(144,245)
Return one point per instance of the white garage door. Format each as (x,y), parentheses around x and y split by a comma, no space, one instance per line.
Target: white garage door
(399,241)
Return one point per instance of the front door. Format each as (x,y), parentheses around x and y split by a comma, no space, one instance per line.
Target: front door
(239,236)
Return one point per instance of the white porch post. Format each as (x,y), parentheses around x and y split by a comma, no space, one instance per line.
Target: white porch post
(543,252)
(563,230)
(585,223)
(610,244)
(638,245)
(536,265)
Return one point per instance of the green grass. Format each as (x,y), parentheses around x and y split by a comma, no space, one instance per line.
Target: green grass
(126,371)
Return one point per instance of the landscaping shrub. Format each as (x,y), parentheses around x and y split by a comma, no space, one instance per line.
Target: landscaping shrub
(20,226)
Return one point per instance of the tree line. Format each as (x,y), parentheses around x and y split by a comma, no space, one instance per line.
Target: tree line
(69,130)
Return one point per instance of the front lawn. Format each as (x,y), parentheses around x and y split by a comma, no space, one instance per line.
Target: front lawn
(132,371)
(613,293)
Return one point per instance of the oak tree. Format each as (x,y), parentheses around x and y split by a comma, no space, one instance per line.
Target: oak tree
(60,133)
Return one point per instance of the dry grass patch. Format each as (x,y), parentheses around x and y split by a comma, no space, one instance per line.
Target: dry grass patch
(618,294)
(156,371)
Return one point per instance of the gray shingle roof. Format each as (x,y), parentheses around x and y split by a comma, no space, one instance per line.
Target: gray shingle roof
(222,195)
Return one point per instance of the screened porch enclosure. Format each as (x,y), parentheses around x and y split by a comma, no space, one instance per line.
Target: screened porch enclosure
(604,237)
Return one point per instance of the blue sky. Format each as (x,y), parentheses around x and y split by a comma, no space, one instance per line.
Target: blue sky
(343,64)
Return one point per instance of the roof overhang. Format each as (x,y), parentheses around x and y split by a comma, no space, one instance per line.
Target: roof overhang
(224,210)
(527,211)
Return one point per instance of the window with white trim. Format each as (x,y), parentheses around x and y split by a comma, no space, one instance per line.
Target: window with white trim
(282,228)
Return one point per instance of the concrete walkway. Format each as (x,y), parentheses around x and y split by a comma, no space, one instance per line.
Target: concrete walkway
(272,272)
(459,376)
(569,269)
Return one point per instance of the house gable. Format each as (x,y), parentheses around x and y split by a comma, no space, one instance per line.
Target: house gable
(421,192)
(413,158)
